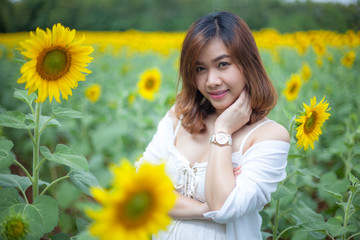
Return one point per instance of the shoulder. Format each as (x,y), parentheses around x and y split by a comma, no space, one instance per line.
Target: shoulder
(271,131)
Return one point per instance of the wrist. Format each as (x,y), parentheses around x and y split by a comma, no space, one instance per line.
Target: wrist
(221,138)
(222,128)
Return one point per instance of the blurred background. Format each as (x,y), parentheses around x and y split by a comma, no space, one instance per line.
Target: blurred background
(315,42)
(177,15)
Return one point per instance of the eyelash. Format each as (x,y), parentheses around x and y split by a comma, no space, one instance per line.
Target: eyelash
(223,64)
(220,65)
(198,69)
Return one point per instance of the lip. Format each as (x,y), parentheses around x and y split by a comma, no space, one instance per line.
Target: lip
(218,94)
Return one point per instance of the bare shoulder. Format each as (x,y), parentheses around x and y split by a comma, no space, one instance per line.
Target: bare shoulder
(272,131)
(173,117)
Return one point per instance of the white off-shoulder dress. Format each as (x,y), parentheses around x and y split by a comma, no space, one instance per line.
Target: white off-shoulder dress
(263,167)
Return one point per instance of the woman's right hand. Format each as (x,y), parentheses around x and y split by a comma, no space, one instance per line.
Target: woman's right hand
(236,115)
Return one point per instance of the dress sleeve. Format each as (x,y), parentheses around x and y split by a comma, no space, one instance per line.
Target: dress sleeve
(263,167)
(156,151)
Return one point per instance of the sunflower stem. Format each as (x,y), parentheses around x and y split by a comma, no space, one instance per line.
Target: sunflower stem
(351,237)
(53,183)
(45,125)
(24,169)
(347,212)
(276,220)
(36,151)
(347,163)
(31,136)
(40,164)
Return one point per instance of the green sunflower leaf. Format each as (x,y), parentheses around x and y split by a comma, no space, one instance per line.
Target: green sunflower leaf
(45,121)
(67,113)
(24,96)
(61,236)
(64,155)
(9,197)
(6,157)
(15,181)
(13,119)
(334,226)
(85,236)
(307,172)
(353,179)
(336,195)
(82,224)
(42,215)
(83,181)
(285,191)
(308,218)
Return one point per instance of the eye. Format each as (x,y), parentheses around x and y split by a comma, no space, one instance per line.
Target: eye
(223,64)
(200,69)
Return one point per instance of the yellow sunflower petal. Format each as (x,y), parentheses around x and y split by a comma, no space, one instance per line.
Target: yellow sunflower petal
(133,208)
(311,122)
(54,68)
(149,83)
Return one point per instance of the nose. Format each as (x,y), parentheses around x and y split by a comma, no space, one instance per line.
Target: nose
(213,79)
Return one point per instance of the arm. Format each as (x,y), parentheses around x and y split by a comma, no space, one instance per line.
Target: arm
(220,180)
(188,208)
(263,167)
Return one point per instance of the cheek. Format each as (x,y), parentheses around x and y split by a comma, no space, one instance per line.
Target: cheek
(199,83)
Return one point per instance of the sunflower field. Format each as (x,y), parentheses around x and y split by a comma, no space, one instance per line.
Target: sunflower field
(128,83)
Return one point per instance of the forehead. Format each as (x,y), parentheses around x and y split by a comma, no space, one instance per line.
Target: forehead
(213,49)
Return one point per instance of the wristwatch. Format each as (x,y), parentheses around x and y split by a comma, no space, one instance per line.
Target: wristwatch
(221,138)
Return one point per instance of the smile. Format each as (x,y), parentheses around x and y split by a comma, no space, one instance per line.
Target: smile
(218,94)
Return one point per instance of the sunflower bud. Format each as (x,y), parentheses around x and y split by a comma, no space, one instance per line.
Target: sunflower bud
(14,228)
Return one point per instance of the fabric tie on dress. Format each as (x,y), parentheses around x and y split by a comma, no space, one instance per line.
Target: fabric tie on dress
(186,180)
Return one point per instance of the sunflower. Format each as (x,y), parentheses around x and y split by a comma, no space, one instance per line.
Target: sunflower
(14,227)
(305,72)
(310,123)
(292,87)
(149,83)
(319,47)
(136,205)
(57,62)
(348,59)
(93,92)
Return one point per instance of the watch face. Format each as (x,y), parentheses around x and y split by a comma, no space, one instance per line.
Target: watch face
(221,138)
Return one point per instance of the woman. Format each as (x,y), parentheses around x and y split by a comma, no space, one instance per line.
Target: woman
(223,155)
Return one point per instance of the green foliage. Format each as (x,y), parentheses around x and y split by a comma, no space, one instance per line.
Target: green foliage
(6,158)
(174,15)
(42,214)
(83,180)
(319,199)
(64,155)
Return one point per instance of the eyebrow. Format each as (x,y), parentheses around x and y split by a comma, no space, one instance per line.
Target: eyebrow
(215,59)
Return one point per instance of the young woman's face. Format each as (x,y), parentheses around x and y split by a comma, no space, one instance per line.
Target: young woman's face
(218,78)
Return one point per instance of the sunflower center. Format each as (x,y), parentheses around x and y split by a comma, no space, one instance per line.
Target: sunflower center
(310,123)
(53,63)
(293,88)
(15,229)
(150,83)
(137,205)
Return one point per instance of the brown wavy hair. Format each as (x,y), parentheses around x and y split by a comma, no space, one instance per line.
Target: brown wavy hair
(191,105)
